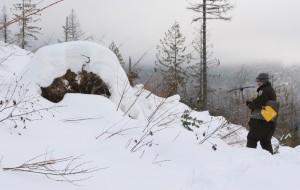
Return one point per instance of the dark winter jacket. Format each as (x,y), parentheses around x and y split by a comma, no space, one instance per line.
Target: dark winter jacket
(265,93)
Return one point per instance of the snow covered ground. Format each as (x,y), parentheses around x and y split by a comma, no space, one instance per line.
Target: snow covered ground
(139,144)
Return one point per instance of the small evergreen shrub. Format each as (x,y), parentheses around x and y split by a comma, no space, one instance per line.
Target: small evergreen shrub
(188,121)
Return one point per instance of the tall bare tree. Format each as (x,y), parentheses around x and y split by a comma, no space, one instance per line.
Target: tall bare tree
(27,29)
(171,58)
(196,93)
(4,32)
(66,28)
(209,10)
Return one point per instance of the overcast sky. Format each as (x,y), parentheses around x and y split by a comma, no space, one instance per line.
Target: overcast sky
(260,30)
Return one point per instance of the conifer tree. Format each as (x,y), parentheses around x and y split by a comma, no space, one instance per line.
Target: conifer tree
(27,29)
(72,28)
(113,47)
(171,59)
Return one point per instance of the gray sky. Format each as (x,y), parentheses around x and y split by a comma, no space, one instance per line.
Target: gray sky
(260,30)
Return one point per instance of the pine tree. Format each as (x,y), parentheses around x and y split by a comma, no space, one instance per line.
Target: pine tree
(113,47)
(4,32)
(171,58)
(27,29)
(72,28)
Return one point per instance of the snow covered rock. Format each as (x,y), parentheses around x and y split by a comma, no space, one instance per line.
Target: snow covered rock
(54,61)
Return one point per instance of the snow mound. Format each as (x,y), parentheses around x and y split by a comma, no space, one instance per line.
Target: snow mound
(12,60)
(53,61)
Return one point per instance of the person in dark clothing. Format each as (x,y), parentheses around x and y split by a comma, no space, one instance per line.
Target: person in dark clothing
(260,129)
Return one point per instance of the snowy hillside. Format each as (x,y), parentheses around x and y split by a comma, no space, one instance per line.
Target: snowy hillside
(131,140)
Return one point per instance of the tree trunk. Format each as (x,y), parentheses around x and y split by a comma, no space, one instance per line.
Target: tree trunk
(129,68)
(67,30)
(23,26)
(5,28)
(204,58)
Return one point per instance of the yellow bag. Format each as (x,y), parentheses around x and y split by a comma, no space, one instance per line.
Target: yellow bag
(268,113)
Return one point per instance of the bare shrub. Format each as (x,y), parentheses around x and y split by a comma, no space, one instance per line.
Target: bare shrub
(68,169)
(18,106)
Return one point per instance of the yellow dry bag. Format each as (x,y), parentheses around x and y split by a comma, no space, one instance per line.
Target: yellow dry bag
(270,110)
(268,113)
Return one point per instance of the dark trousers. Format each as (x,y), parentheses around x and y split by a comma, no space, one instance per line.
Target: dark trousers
(263,134)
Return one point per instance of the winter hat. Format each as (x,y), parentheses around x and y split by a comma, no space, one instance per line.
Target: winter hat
(262,77)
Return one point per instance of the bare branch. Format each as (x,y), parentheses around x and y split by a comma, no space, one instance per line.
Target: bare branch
(139,60)
(136,98)
(209,135)
(158,162)
(124,90)
(110,131)
(80,119)
(68,169)
(230,133)
(28,15)
(156,122)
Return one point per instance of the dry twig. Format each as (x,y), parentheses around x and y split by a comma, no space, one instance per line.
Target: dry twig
(110,131)
(209,135)
(78,119)
(156,122)
(158,162)
(68,169)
